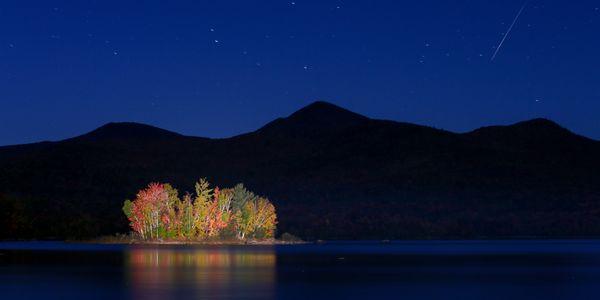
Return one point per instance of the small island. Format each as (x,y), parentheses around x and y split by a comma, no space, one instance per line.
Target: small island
(235,215)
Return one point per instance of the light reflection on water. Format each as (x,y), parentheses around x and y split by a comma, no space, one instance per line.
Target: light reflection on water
(553,269)
(201,273)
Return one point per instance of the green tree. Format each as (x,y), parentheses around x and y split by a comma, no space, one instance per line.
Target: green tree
(201,208)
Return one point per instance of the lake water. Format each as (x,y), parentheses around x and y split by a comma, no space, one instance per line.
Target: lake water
(557,269)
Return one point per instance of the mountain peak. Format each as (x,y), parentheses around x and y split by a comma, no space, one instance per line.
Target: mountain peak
(128,130)
(317,117)
(529,134)
(539,123)
(322,109)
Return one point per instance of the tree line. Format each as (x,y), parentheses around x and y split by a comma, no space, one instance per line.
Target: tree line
(157,212)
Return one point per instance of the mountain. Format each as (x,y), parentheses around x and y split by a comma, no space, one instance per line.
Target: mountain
(315,119)
(332,174)
(128,131)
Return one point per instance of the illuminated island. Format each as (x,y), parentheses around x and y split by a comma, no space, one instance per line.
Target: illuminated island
(210,216)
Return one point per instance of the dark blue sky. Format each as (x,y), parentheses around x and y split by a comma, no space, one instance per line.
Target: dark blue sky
(219,68)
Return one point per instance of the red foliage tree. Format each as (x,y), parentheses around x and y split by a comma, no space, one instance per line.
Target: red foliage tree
(147,209)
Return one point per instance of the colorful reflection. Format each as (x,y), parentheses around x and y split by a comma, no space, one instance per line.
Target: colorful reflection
(217,272)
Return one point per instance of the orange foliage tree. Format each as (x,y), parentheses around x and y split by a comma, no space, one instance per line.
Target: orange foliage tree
(157,212)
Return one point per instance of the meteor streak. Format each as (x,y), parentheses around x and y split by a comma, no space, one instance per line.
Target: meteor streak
(509,30)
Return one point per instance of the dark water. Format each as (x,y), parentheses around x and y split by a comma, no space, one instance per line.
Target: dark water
(365,270)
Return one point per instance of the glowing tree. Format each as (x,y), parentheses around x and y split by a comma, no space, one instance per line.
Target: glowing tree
(144,212)
(157,212)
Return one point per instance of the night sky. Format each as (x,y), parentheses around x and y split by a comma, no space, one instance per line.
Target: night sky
(220,68)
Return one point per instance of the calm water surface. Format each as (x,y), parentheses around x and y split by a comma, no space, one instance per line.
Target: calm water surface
(364,270)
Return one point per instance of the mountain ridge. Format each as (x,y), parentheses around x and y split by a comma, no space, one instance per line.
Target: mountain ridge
(330,172)
(128,130)
(305,116)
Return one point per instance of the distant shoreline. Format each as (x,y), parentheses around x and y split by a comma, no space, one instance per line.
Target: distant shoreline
(122,240)
(110,240)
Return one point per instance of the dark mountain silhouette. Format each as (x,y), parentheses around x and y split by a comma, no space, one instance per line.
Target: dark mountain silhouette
(317,118)
(128,130)
(331,173)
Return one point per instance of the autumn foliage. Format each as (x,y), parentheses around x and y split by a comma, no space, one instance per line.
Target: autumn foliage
(157,212)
